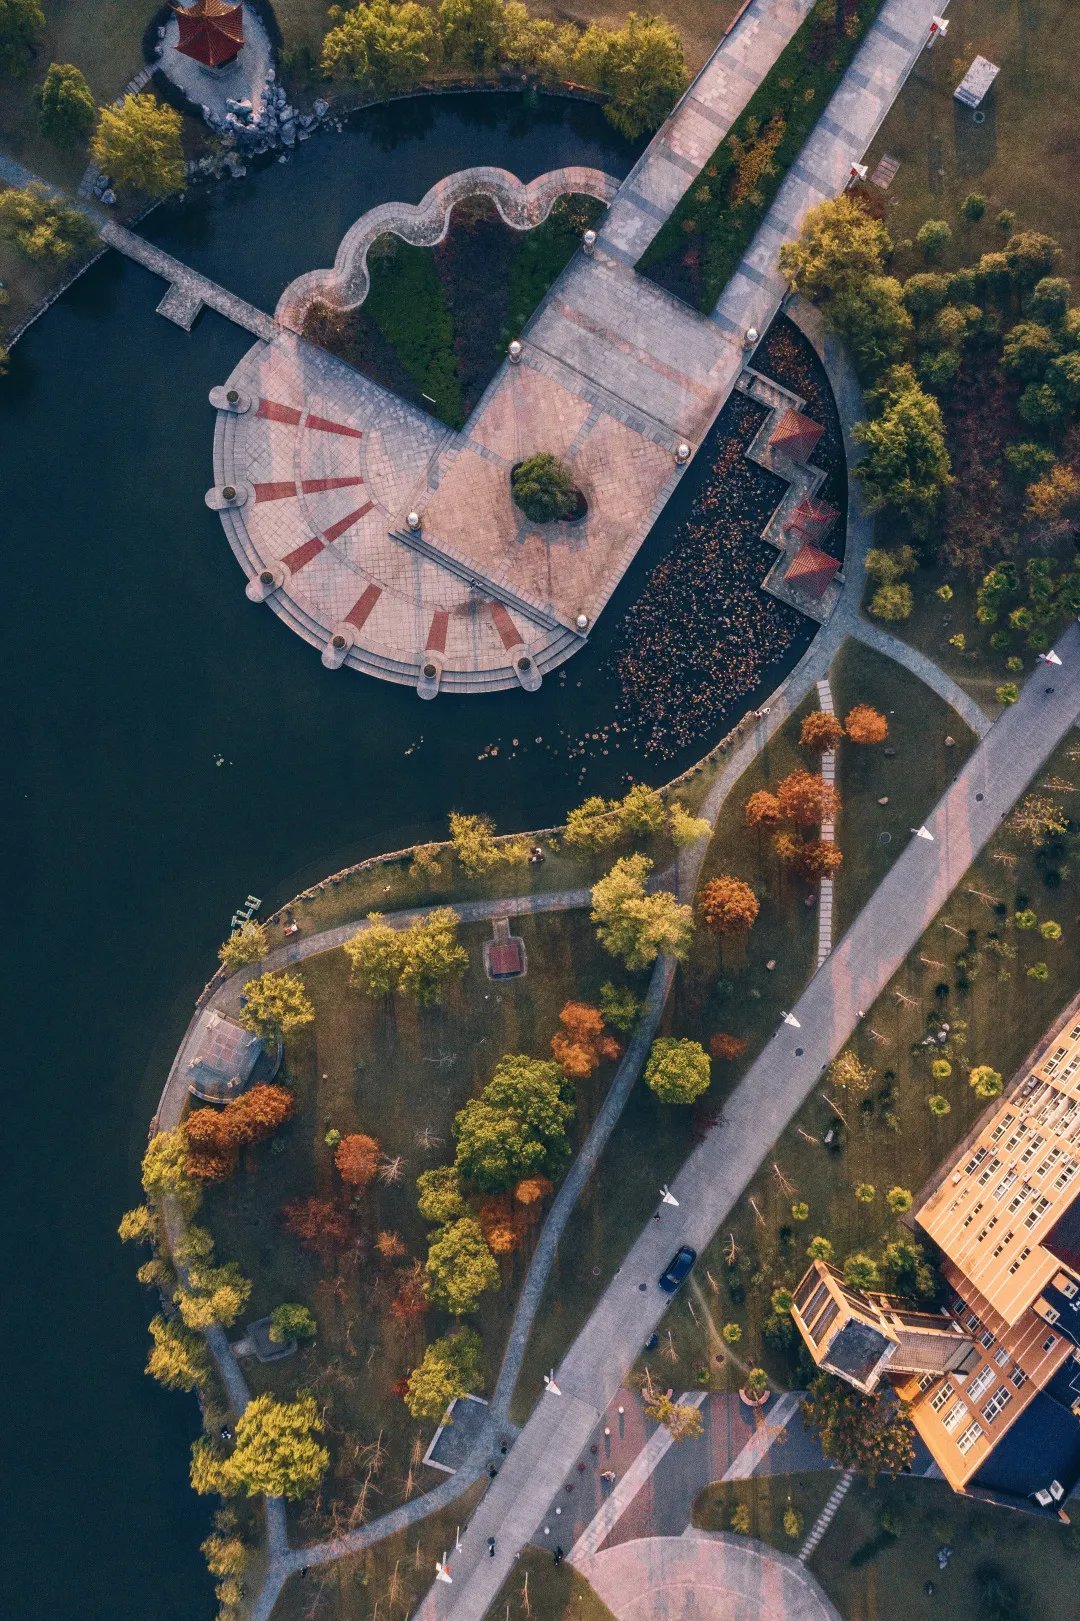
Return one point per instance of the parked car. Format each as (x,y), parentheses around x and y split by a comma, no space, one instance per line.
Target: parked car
(677,1269)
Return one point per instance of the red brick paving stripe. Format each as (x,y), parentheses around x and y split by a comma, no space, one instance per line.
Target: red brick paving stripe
(505,626)
(323,425)
(347,522)
(360,610)
(436,636)
(303,554)
(312,486)
(278,413)
(275,492)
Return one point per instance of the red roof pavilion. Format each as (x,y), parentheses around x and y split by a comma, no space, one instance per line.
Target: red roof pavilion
(795,435)
(211,31)
(812,519)
(811,570)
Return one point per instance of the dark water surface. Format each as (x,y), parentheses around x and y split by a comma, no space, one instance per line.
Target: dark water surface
(133,660)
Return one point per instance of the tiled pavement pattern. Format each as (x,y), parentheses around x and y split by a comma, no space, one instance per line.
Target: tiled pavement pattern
(827,834)
(697,1575)
(615,375)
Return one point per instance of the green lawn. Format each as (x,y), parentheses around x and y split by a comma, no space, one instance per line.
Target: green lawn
(360,1069)
(890,1138)
(389,1579)
(874,1577)
(1018,158)
(735,990)
(537,1591)
(766,1498)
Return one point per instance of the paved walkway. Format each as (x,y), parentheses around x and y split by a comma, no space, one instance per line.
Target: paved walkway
(188,291)
(827,833)
(701,1575)
(931,674)
(773,1089)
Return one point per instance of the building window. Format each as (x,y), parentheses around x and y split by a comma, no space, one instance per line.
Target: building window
(1065,1176)
(988,1171)
(973,1321)
(1048,1313)
(1019,1377)
(943,1395)
(1052,1063)
(1001,1356)
(1031,1150)
(981,1383)
(1067,1288)
(1001,1398)
(966,1441)
(956,1415)
(986,1338)
(1049,1342)
(1037,1211)
(1017,1200)
(926,1381)
(1014,1266)
(976,1159)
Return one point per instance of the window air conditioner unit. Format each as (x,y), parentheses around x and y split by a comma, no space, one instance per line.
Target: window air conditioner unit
(957,1176)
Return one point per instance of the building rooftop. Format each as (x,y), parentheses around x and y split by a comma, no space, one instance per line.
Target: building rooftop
(976,82)
(226,1060)
(211,31)
(795,436)
(812,519)
(811,570)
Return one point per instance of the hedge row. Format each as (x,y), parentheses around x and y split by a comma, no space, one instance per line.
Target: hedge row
(696,251)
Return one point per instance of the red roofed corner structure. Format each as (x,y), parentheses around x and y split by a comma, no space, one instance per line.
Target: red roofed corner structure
(795,436)
(812,519)
(811,570)
(211,31)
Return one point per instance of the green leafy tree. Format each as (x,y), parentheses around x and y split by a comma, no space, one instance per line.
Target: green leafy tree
(865,1192)
(246,945)
(432,956)
(1039,971)
(933,238)
(892,602)
(1050,930)
(518,1125)
(383,44)
(375,956)
(276,1005)
(22,24)
(477,848)
(641,810)
(1027,351)
(1030,256)
(973,206)
(868,1433)
(639,67)
(43,228)
(682,1420)
(619,1007)
(686,829)
(178,1358)
(165,1171)
(291,1321)
(1050,300)
(925,294)
(985,1082)
(451,1367)
(839,248)
(906,465)
(439,1196)
(224,1555)
(873,321)
(276,1452)
(543,487)
(905,1270)
(678,1070)
(138,145)
(634,926)
(66,106)
(860,1272)
(137,1226)
(819,1249)
(212,1295)
(460,1267)
(939,1105)
(473,31)
(899,1200)
(1041,408)
(593,825)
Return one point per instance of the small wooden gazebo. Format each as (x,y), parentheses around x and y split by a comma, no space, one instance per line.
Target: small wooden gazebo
(796,435)
(211,31)
(811,519)
(811,571)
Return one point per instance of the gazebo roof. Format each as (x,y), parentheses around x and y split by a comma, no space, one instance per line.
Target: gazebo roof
(795,435)
(211,31)
(812,519)
(811,570)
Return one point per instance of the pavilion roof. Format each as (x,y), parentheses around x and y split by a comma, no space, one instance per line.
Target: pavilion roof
(812,519)
(811,570)
(796,435)
(211,31)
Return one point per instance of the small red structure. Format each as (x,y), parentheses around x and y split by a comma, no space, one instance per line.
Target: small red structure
(211,31)
(795,436)
(811,570)
(812,519)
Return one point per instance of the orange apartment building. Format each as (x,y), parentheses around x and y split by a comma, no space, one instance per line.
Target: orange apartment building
(993,1379)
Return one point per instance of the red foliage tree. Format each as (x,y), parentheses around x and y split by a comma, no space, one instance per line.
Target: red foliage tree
(865,724)
(322,1225)
(763,809)
(216,1136)
(820,731)
(806,798)
(728,905)
(817,859)
(410,1302)
(721,1045)
(357,1159)
(581,1043)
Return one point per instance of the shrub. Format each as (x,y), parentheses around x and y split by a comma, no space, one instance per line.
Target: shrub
(1007,693)
(543,487)
(933,238)
(899,1200)
(793,1523)
(1050,930)
(1039,971)
(865,724)
(620,1006)
(66,106)
(1025,919)
(865,1192)
(291,1322)
(892,602)
(973,206)
(939,1105)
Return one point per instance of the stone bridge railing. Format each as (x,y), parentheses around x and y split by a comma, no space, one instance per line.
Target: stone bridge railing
(426,223)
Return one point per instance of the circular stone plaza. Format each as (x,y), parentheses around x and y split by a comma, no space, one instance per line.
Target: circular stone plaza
(391,542)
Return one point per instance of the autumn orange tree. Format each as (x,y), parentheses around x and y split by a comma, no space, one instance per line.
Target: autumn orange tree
(357,1159)
(762,809)
(820,731)
(806,798)
(817,859)
(721,1045)
(728,905)
(216,1136)
(321,1225)
(581,1043)
(865,724)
